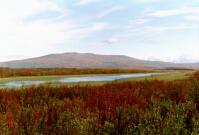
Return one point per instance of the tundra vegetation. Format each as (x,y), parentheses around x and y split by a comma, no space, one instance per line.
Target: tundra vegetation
(16,72)
(151,107)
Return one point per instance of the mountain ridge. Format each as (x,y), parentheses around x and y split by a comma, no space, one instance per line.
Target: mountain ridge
(91,60)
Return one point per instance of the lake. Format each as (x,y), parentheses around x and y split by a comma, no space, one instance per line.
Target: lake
(96,78)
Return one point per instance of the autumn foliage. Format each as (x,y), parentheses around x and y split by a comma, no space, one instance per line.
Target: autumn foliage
(14,72)
(116,108)
(196,75)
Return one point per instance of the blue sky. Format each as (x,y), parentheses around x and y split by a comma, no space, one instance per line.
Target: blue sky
(166,30)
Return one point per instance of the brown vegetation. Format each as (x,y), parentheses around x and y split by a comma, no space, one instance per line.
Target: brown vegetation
(148,107)
(13,72)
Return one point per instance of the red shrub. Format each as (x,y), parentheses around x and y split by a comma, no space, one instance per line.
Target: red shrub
(11,122)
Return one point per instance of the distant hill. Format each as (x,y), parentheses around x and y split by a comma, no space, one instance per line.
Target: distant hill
(89,60)
(190,65)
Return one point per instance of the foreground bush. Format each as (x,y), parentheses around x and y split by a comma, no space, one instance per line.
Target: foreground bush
(126,108)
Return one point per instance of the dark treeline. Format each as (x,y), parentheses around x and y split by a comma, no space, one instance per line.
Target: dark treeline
(13,72)
(117,108)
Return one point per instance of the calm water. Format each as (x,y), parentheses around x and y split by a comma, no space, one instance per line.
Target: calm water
(96,78)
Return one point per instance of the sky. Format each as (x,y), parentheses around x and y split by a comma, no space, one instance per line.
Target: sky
(166,30)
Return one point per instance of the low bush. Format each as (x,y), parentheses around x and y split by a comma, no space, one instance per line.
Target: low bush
(117,108)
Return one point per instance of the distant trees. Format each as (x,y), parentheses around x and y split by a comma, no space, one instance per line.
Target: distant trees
(10,72)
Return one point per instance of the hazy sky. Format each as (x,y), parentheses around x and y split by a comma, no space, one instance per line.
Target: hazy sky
(148,29)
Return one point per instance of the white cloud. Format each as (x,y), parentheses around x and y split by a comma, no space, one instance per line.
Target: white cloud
(186,58)
(145,1)
(136,23)
(85,2)
(39,35)
(110,11)
(45,34)
(192,18)
(20,9)
(111,40)
(17,35)
(155,58)
(42,34)
(12,57)
(168,28)
(177,11)
(140,21)
(85,31)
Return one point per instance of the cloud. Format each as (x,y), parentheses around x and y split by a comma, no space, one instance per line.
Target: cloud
(85,2)
(111,40)
(174,12)
(109,11)
(88,30)
(145,1)
(18,35)
(20,9)
(186,58)
(31,36)
(136,22)
(192,18)
(168,28)
(37,27)
(43,34)
(12,57)
(140,21)
(155,58)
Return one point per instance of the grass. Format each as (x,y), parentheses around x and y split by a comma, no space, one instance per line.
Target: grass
(179,75)
(48,78)
(167,77)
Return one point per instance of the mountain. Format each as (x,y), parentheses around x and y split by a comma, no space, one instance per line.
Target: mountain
(190,65)
(89,60)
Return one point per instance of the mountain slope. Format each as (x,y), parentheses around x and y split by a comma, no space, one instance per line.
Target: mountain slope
(87,60)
